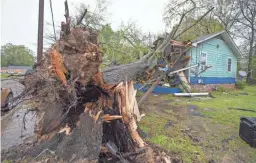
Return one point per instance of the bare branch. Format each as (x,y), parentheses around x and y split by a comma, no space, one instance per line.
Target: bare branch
(129,41)
(194,23)
(245,16)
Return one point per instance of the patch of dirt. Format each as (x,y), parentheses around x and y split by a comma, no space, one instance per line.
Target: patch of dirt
(163,156)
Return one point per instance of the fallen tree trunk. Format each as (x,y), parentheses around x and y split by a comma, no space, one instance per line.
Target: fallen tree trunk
(119,73)
(84,143)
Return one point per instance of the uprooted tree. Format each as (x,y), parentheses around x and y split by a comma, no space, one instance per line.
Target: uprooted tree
(89,114)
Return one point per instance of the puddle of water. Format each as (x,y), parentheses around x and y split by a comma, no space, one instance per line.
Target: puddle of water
(14,132)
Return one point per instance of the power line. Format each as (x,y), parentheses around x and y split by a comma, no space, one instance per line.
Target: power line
(53,20)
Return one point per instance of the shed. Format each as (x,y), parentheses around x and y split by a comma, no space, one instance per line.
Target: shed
(18,69)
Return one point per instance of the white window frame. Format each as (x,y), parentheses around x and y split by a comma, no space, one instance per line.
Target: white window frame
(230,64)
(206,61)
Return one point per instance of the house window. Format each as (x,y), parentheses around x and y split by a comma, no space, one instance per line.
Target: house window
(229,65)
(203,61)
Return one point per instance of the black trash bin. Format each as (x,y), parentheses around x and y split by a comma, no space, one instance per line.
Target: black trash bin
(247,130)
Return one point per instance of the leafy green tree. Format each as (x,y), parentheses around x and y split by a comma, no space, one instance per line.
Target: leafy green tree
(125,45)
(17,55)
(204,27)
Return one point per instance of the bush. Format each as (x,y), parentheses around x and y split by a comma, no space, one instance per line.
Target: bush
(240,84)
(221,89)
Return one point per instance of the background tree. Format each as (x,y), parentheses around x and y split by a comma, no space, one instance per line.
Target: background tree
(226,11)
(17,55)
(125,45)
(177,10)
(89,17)
(183,17)
(247,23)
(206,26)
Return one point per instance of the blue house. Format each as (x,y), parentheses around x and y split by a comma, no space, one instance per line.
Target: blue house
(217,55)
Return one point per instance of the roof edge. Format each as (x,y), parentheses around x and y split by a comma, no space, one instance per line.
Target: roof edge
(238,50)
(212,36)
(224,32)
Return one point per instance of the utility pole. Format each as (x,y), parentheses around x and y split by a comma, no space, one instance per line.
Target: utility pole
(40,31)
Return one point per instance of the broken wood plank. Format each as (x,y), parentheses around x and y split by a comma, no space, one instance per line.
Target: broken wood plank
(108,117)
(150,90)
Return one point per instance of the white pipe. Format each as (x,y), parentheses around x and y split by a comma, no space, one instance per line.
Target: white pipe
(191,94)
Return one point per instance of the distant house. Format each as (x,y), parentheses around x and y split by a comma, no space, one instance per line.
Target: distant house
(4,69)
(219,51)
(18,69)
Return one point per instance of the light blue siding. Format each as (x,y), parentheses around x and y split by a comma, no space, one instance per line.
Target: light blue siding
(218,53)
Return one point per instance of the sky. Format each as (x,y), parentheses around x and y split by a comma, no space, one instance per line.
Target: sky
(19,18)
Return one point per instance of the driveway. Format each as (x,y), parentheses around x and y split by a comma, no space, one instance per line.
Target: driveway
(13,131)
(16,87)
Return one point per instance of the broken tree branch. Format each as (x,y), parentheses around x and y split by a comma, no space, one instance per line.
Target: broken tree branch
(194,23)
(182,17)
(79,21)
(150,90)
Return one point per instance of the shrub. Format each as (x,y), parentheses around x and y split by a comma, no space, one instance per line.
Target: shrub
(240,84)
(221,89)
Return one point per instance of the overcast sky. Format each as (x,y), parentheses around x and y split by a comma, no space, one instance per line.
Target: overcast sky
(19,18)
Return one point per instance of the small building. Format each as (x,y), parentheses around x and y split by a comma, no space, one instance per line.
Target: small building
(4,69)
(217,55)
(18,69)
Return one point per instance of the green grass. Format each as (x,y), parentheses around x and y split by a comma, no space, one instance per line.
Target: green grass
(4,76)
(219,124)
(218,109)
(172,138)
(7,161)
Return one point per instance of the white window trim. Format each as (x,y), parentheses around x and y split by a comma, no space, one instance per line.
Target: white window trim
(230,65)
(206,60)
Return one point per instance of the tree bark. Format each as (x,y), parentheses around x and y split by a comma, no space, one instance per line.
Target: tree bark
(117,74)
(250,54)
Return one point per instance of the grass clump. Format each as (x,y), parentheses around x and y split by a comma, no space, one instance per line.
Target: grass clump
(240,84)
(7,161)
(3,76)
(222,108)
